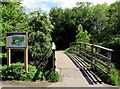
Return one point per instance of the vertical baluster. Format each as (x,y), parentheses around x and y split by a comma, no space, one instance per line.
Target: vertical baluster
(85,51)
(95,60)
(109,55)
(91,56)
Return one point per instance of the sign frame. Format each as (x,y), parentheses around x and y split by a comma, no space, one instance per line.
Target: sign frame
(16,47)
(25,51)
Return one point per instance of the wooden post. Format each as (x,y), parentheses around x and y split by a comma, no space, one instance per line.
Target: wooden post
(84,51)
(95,61)
(26,60)
(8,57)
(109,60)
(91,55)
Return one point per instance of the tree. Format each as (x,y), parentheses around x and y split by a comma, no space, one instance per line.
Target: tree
(13,19)
(40,36)
(66,21)
(82,36)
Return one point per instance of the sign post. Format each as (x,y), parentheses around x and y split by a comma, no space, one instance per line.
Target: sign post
(26,60)
(17,40)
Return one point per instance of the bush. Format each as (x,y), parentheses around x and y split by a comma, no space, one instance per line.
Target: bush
(112,79)
(16,71)
(67,50)
(51,76)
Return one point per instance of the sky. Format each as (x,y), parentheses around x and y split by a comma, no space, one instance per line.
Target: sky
(46,5)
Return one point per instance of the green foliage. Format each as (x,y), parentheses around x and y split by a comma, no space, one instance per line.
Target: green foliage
(67,50)
(101,21)
(16,72)
(113,79)
(40,35)
(3,55)
(13,18)
(82,36)
(51,76)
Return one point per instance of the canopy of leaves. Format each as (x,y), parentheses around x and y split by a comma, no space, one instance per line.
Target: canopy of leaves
(40,35)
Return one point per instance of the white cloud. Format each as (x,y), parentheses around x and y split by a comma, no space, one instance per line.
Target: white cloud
(45,8)
(35,4)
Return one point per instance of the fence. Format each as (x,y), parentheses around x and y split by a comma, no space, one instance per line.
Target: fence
(94,55)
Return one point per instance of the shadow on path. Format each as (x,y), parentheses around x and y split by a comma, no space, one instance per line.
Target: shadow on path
(84,68)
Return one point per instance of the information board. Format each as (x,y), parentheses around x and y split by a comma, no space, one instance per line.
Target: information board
(16,40)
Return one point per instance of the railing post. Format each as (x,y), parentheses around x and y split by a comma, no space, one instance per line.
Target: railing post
(91,55)
(84,51)
(53,57)
(95,61)
(109,55)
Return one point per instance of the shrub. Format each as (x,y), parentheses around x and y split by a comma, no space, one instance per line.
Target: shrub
(67,50)
(51,76)
(16,71)
(112,79)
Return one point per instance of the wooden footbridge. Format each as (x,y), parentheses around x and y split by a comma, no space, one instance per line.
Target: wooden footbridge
(75,66)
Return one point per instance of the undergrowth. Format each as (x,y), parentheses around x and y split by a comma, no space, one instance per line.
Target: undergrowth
(16,72)
(112,79)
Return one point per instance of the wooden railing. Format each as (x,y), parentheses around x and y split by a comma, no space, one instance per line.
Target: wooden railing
(94,55)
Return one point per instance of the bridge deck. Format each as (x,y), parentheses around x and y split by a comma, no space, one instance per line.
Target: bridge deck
(74,73)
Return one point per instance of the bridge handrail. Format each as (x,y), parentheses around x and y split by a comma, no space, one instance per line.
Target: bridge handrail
(93,45)
(94,54)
